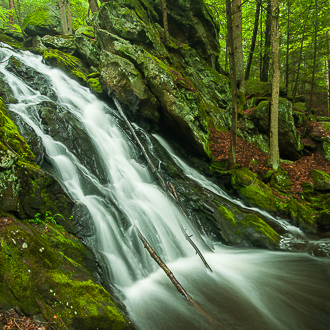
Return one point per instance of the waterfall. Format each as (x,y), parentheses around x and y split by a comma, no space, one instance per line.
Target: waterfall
(248,288)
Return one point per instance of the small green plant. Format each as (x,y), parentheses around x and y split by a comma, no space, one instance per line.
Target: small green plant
(36,220)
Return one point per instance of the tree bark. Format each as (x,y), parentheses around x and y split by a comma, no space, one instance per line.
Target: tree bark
(314,68)
(19,16)
(294,92)
(69,18)
(93,5)
(253,42)
(266,58)
(238,47)
(11,14)
(287,48)
(64,21)
(165,22)
(274,157)
(230,43)
(260,44)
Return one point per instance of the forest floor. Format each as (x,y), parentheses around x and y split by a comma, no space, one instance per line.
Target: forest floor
(13,320)
(248,155)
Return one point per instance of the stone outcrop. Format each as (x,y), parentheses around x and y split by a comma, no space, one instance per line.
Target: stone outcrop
(178,87)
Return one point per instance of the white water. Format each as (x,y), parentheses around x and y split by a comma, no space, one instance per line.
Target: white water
(248,289)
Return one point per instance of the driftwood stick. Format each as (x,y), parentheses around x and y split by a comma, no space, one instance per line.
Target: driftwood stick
(173,279)
(162,265)
(171,192)
(185,233)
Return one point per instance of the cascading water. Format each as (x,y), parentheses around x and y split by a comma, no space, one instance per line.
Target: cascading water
(248,289)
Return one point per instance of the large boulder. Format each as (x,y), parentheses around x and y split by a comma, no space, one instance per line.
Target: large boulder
(179,87)
(289,139)
(42,21)
(321,179)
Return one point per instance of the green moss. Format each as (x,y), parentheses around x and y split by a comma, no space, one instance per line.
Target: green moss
(301,216)
(253,190)
(10,138)
(12,42)
(68,63)
(38,17)
(227,214)
(261,226)
(94,84)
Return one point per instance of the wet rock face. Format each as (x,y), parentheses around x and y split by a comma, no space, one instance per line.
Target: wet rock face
(178,86)
(33,78)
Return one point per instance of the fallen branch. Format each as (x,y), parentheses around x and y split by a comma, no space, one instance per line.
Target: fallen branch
(171,276)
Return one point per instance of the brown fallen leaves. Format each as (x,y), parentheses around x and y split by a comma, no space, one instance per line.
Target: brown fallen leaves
(11,320)
(248,155)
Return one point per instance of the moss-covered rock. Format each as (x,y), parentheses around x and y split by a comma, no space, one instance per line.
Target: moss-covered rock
(289,139)
(280,180)
(68,63)
(42,21)
(321,179)
(246,229)
(64,43)
(301,216)
(41,273)
(254,191)
(12,42)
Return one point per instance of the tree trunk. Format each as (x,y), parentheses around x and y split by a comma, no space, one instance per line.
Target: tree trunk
(69,18)
(266,57)
(287,48)
(314,69)
(238,48)
(328,85)
(274,157)
(260,44)
(230,43)
(19,16)
(165,23)
(11,14)
(64,21)
(294,92)
(93,5)
(253,42)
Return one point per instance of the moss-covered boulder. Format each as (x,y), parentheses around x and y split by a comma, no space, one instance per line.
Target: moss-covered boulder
(11,41)
(42,21)
(41,273)
(321,179)
(323,221)
(72,65)
(178,86)
(289,139)
(252,190)
(301,216)
(246,229)
(64,43)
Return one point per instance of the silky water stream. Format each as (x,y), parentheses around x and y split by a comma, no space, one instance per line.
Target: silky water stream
(248,288)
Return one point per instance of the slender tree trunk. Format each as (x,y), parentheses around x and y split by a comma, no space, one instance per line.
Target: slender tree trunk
(253,42)
(260,45)
(274,156)
(266,58)
(19,16)
(314,68)
(294,92)
(238,47)
(328,84)
(93,6)
(327,72)
(230,44)
(287,48)
(69,18)
(11,14)
(165,23)
(64,21)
